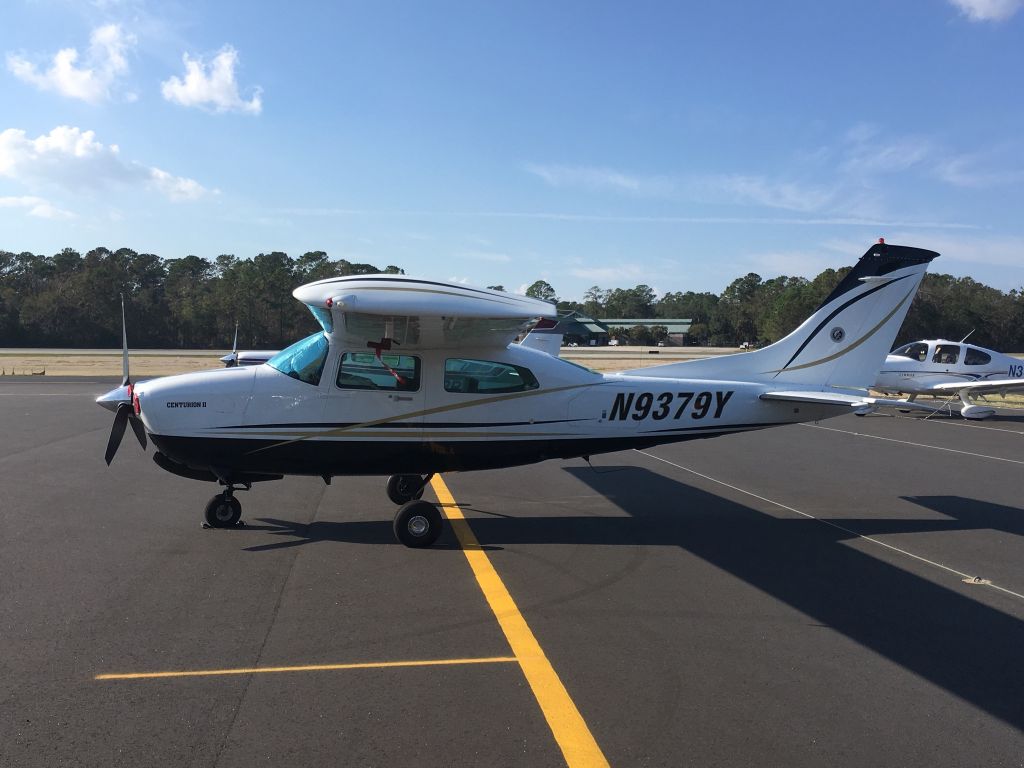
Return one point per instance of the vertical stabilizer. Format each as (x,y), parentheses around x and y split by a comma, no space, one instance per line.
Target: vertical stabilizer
(844,343)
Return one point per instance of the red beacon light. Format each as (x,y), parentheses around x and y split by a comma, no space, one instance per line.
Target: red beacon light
(881,241)
(329,302)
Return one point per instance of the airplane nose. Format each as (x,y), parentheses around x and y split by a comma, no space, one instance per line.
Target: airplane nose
(115,397)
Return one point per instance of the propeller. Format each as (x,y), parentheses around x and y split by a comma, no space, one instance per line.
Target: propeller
(123,402)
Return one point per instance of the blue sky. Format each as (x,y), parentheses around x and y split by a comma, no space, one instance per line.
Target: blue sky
(677,144)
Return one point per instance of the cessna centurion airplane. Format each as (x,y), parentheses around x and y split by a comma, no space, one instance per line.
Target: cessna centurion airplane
(412,377)
(940,367)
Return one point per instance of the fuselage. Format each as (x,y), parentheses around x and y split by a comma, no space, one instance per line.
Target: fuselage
(434,410)
(916,368)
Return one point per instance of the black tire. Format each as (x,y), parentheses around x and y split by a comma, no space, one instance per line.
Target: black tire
(405,488)
(223,512)
(418,524)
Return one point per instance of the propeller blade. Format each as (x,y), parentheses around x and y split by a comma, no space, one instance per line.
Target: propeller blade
(139,430)
(117,431)
(125,378)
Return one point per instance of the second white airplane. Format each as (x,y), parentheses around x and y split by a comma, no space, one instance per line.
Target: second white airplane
(950,369)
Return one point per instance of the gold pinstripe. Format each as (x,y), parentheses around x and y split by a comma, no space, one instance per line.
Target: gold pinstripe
(426,412)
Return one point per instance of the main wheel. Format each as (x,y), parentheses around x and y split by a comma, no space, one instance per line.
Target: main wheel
(418,524)
(404,488)
(223,511)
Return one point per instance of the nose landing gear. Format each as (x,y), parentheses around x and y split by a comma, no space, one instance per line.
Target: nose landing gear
(405,488)
(224,510)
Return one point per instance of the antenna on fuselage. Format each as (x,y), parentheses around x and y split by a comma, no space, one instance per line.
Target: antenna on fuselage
(125,378)
(965,337)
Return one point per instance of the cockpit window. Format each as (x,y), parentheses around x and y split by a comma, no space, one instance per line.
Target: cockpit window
(976,357)
(916,351)
(391,373)
(946,354)
(304,360)
(486,378)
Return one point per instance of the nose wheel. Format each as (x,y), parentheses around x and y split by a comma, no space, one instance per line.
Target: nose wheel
(223,510)
(405,488)
(418,524)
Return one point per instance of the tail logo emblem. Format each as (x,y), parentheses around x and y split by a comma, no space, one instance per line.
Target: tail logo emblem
(837,334)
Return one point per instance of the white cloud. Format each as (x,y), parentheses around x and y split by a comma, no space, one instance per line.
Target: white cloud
(601,179)
(212,87)
(758,190)
(494,258)
(971,171)
(176,187)
(996,250)
(867,154)
(36,206)
(73,159)
(90,81)
(618,274)
(988,10)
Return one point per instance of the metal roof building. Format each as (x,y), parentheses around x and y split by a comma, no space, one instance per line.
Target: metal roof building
(578,328)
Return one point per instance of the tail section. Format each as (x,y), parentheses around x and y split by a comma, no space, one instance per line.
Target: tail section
(843,344)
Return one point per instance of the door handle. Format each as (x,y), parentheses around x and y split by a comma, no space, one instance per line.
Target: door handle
(399,397)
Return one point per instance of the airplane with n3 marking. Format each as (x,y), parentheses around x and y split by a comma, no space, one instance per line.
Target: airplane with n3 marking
(408,378)
(950,369)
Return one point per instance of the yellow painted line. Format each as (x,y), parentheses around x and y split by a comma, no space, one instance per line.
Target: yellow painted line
(306,668)
(567,725)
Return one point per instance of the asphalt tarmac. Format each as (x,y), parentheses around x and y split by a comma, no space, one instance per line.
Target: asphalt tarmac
(849,593)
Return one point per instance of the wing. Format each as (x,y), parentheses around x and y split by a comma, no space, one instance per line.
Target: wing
(419,314)
(987,387)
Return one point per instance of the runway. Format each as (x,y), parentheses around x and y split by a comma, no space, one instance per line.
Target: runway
(845,593)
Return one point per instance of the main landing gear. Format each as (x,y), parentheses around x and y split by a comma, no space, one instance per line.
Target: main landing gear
(224,510)
(417,523)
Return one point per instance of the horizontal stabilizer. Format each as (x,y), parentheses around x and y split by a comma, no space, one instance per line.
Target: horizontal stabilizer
(819,398)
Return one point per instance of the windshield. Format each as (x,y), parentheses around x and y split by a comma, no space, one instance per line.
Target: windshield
(303,360)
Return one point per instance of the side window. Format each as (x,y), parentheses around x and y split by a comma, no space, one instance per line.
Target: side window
(364,370)
(916,351)
(946,354)
(486,378)
(976,357)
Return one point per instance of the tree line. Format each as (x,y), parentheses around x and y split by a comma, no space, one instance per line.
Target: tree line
(71,300)
(758,311)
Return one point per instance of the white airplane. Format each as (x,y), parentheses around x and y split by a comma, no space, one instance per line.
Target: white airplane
(952,369)
(411,377)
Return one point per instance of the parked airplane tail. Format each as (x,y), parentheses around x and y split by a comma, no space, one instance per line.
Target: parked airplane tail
(843,344)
